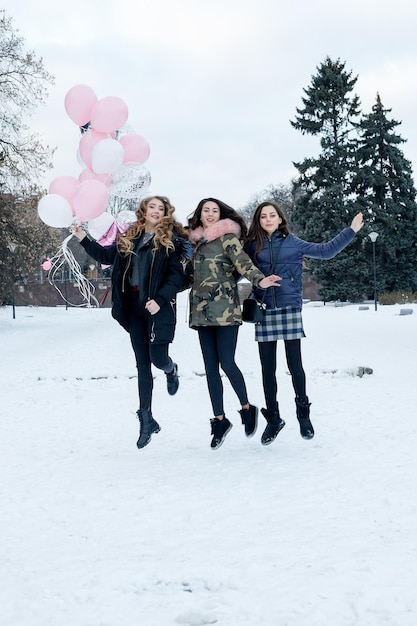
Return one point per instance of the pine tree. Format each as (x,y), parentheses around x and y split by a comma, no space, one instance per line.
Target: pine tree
(322,202)
(386,191)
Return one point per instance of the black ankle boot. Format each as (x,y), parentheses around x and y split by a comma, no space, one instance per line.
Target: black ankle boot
(219,430)
(147,427)
(303,416)
(173,381)
(249,420)
(275,424)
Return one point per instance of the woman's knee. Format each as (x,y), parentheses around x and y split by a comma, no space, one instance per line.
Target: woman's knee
(229,367)
(160,359)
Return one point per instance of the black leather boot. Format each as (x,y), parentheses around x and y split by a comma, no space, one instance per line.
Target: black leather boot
(303,416)
(249,420)
(275,424)
(219,430)
(173,381)
(147,427)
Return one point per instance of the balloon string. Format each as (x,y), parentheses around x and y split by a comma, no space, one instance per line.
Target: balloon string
(86,289)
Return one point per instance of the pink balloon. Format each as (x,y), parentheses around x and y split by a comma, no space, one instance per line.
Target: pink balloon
(87,142)
(90,175)
(136,148)
(79,103)
(109,114)
(90,200)
(65,186)
(46,265)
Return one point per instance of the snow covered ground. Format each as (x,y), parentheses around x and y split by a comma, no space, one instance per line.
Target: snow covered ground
(95,532)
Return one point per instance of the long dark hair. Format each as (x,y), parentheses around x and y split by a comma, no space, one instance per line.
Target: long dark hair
(226,212)
(257,233)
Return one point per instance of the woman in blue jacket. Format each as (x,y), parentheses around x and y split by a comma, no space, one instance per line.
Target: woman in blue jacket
(277,251)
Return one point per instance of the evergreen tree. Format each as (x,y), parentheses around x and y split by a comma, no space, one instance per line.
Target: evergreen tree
(322,202)
(387,195)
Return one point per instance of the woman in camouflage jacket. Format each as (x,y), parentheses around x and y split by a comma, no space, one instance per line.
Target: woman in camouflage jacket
(216,231)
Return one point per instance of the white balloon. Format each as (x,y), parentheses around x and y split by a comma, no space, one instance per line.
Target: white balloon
(107,156)
(55,211)
(100,225)
(130,181)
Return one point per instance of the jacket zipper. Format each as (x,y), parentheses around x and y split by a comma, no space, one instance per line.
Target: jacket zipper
(271,258)
(150,274)
(152,334)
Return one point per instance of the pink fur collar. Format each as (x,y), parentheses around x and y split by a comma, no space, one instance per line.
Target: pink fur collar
(218,229)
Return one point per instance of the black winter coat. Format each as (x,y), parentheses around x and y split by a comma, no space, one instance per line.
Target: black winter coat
(165,280)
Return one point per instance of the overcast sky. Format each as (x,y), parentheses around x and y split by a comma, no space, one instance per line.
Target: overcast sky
(212,84)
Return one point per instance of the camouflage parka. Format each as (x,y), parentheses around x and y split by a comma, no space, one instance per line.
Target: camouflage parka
(214,299)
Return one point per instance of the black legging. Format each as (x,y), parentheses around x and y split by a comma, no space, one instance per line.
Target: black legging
(146,354)
(268,356)
(218,346)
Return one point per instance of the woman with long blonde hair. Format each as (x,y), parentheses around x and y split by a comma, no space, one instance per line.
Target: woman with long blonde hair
(147,274)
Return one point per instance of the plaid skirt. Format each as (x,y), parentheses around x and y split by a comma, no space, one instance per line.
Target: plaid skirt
(280,324)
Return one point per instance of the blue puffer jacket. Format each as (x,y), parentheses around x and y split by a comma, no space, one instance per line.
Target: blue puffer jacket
(289,251)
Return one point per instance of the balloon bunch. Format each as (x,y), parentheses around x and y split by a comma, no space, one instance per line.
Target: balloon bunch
(111,156)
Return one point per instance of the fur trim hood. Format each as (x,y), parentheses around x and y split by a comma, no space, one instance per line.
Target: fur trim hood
(216,230)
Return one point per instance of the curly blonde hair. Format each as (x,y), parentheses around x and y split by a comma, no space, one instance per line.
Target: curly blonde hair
(163,230)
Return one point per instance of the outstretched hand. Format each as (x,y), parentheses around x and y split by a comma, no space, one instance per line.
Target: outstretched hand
(269,281)
(357,222)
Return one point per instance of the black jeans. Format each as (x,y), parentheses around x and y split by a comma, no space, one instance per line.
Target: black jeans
(268,356)
(146,353)
(218,346)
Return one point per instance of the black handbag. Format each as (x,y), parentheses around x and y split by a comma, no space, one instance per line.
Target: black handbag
(253,311)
